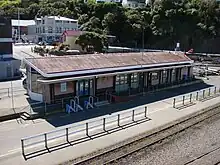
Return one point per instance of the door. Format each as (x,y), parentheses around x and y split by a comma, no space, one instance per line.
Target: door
(84,87)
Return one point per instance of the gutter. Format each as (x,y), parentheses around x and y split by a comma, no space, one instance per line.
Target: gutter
(33,66)
(103,75)
(73,73)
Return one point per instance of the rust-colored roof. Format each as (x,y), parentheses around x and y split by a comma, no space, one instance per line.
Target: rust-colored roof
(51,65)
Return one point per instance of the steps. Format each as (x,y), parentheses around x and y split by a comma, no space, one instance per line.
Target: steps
(25,116)
(101,103)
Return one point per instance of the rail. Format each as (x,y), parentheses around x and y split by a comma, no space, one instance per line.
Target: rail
(82,131)
(201,95)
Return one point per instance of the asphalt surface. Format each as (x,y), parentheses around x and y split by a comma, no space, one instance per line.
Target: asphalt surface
(198,145)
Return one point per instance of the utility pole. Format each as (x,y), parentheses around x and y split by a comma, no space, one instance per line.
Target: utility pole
(12,92)
(143,38)
(19,29)
(142,45)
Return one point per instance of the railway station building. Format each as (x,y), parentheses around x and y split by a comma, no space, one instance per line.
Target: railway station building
(119,75)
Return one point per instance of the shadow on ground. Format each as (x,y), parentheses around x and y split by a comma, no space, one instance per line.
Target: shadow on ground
(62,119)
(68,143)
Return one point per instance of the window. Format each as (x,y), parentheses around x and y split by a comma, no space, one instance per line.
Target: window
(63,87)
(134,80)
(121,83)
(60,29)
(155,76)
(84,87)
(50,29)
(164,76)
(173,75)
(43,29)
(36,30)
(36,87)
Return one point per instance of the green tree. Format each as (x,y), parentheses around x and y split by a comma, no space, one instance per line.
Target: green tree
(93,39)
(93,25)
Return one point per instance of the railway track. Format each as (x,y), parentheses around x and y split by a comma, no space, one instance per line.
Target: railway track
(203,155)
(118,153)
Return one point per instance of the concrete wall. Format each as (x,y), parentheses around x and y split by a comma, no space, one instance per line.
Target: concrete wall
(69,88)
(104,82)
(46,93)
(36,96)
(70,40)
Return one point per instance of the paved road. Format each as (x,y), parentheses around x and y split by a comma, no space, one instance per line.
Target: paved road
(18,51)
(16,131)
(199,145)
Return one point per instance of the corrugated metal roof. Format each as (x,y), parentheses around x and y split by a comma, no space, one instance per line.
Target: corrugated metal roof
(52,65)
(58,18)
(22,22)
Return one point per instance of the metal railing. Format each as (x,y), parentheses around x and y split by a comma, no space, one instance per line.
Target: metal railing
(82,131)
(200,95)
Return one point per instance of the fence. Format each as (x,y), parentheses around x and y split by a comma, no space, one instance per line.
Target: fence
(84,131)
(191,98)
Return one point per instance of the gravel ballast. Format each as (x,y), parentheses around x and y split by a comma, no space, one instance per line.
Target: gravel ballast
(197,145)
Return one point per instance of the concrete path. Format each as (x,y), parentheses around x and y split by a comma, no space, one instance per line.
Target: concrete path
(160,113)
(158,103)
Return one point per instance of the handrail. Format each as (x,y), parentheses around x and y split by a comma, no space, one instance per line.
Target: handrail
(76,98)
(73,103)
(91,100)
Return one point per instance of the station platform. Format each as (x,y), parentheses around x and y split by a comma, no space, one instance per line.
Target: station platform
(159,117)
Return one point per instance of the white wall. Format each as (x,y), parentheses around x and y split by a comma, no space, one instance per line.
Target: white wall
(35,96)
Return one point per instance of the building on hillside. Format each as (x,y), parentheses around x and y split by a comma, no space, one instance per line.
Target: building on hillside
(116,1)
(24,29)
(134,3)
(8,65)
(50,28)
(69,38)
(117,74)
(127,3)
